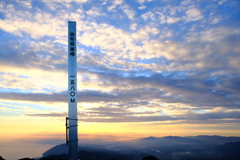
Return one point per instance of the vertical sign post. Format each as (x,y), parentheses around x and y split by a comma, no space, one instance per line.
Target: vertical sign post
(72,92)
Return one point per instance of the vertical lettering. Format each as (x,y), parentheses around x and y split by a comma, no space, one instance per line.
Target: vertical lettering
(72,100)
(72,87)
(72,94)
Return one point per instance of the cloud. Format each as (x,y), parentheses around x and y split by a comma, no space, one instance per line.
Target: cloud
(142,7)
(215,117)
(187,53)
(115,3)
(37,23)
(167,89)
(119,43)
(171,20)
(143,1)
(148,16)
(52,114)
(128,11)
(26,3)
(31,54)
(180,89)
(34,97)
(193,14)
(133,26)
(110,114)
(221,2)
(216,20)
(119,114)
(66,1)
(220,34)
(170,63)
(186,2)
(93,12)
(225,39)
(36,30)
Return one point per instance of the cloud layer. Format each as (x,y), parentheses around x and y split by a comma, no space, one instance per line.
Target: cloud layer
(138,61)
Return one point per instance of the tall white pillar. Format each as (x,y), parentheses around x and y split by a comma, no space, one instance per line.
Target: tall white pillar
(72,92)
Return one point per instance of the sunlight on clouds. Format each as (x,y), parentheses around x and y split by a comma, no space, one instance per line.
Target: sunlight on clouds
(142,111)
(14,81)
(158,129)
(106,37)
(176,109)
(155,48)
(9,27)
(124,44)
(144,34)
(101,128)
(86,105)
(24,23)
(36,30)
(34,80)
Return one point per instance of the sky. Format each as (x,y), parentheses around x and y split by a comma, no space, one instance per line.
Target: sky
(145,68)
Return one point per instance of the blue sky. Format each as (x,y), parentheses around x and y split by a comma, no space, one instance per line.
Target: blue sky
(140,62)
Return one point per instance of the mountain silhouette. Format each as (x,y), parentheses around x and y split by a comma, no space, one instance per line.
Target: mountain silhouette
(215,139)
(229,148)
(150,158)
(169,141)
(56,157)
(163,148)
(56,150)
(153,148)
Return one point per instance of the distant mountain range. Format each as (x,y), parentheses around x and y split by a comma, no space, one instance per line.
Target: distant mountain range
(162,148)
